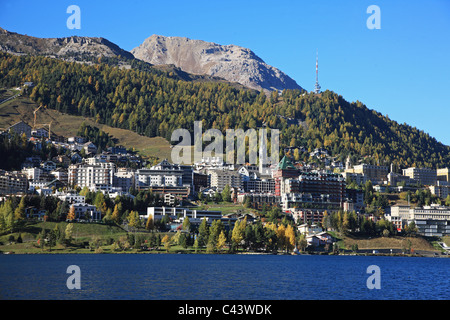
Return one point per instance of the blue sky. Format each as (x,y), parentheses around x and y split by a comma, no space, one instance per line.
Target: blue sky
(402,69)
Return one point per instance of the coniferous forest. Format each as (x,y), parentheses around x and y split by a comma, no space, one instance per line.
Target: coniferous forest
(154,103)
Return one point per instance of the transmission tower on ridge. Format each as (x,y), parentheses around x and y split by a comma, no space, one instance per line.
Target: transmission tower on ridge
(317,86)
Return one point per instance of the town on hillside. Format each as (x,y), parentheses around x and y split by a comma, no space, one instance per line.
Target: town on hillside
(81,182)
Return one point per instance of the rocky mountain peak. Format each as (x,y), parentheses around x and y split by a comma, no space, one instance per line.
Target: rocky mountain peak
(230,62)
(59,47)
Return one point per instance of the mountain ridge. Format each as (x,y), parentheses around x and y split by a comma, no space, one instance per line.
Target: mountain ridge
(231,62)
(153,103)
(16,43)
(238,65)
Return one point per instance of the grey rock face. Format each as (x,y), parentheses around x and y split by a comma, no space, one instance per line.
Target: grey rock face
(59,47)
(230,62)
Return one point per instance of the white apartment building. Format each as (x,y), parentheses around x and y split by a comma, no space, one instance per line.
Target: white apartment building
(70,197)
(155,178)
(33,173)
(195,216)
(86,211)
(187,171)
(39,133)
(309,229)
(76,139)
(165,174)
(431,220)
(398,215)
(291,200)
(61,175)
(98,176)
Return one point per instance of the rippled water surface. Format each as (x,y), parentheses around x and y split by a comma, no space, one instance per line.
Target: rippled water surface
(238,277)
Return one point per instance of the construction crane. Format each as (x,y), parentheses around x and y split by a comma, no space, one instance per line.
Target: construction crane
(44,124)
(34,123)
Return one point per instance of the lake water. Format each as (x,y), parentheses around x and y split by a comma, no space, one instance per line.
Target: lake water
(222,277)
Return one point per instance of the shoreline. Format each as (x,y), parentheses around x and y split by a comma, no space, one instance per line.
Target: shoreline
(415,255)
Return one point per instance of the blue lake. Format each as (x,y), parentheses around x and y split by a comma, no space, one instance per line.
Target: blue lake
(222,277)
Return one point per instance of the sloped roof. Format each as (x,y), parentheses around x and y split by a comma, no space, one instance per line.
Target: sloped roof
(285,164)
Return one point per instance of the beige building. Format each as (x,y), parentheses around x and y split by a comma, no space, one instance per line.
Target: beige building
(220,178)
(13,182)
(376,174)
(425,176)
(443,174)
(358,178)
(124,178)
(441,189)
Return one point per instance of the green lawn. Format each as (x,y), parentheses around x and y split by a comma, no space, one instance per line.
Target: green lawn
(83,235)
(82,232)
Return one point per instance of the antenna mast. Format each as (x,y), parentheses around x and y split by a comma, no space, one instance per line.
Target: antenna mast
(317,86)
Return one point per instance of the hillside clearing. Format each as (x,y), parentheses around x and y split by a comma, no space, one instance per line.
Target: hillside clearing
(21,109)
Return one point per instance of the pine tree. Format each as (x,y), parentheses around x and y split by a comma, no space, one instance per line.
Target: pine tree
(226,193)
(302,242)
(221,241)
(196,245)
(186,224)
(19,213)
(133,219)
(203,233)
(116,214)
(69,232)
(6,216)
(345,222)
(238,233)
(214,232)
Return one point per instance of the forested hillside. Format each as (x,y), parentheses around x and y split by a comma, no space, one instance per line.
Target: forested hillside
(154,103)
